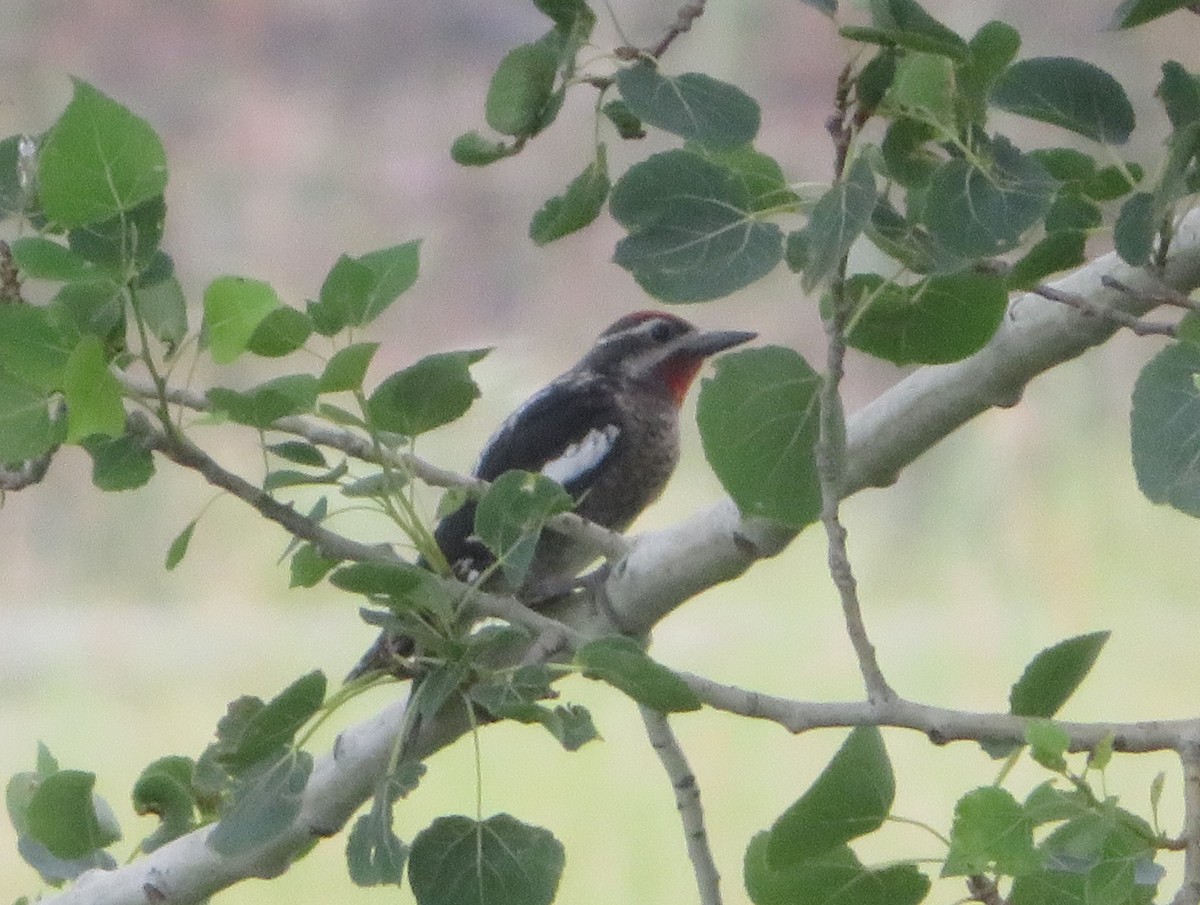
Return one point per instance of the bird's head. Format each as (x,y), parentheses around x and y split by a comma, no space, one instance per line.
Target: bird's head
(660,349)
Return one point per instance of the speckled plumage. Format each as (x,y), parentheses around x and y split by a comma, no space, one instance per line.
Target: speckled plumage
(610,425)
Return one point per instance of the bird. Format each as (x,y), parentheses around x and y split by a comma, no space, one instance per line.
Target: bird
(606,429)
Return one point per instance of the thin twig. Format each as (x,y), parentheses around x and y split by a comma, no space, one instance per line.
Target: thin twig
(1160,295)
(10,281)
(831,441)
(183,452)
(687,800)
(1189,890)
(1138,325)
(688,13)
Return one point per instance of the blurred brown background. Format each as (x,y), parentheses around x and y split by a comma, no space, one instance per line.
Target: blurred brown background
(300,129)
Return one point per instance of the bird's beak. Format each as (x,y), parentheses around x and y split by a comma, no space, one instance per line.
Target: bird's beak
(704,343)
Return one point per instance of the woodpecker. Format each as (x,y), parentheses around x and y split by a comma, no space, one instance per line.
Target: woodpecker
(607,430)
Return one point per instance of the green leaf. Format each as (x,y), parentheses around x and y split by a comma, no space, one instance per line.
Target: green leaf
(97,161)
(290,477)
(179,546)
(828,7)
(163,307)
(375,855)
(402,586)
(396,269)
(89,308)
(627,125)
(344,294)
(32,347)
(622,663)
(511,514)
(938,320)
(1165,428)
(44,259)
(92,393)
(436,390)
(281,332)
(1135,229)
(165,790)
(1112,182)
(976,212)
(26,430)
(991,833)
(837,221)
(1067,92)
(693,235)
(263,405)
(308,567)
(1048,743)
(460,861)
(233,309)
(760,173)
(833,877)
(471,149)
(1139,12)
(575,208)
(63,815)
(119,463)
(521,89)
(300,452)
(347,368)
(127,242)
(1053,675)
(758,419)
(924,88)
(991,50)
(1101,857)
(265,801)
(1056,252)
(273,726)
(1179,91)
(694,106)
(905,152)
(1072,212)
(852,797)
(905,24)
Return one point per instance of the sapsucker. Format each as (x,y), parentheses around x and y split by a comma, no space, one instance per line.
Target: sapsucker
(607,430)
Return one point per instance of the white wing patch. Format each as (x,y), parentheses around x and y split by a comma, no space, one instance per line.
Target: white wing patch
(582,457)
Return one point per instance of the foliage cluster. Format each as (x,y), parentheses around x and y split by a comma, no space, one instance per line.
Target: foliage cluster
(956,216)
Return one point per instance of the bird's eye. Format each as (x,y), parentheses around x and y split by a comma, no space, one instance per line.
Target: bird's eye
(660,332)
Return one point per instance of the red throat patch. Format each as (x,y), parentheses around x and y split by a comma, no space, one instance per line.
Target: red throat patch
(679,374)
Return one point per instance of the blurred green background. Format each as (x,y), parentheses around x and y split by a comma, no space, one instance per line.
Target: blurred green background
(300,129)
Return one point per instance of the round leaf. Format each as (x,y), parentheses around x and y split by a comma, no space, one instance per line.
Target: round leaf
(460,861)
(976,212)
(98,160)
(434,391)
(758,421)
(938,320)
(521,89)
(694,106)
(693,233)
(1165,428)
(233,309)
(1067,92)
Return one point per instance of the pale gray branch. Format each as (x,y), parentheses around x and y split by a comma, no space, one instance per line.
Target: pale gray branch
(687,800)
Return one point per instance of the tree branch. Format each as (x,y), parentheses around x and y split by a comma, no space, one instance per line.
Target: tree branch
(608,544)
(687,800)
(666,568)
(942,725)
(1189,890)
